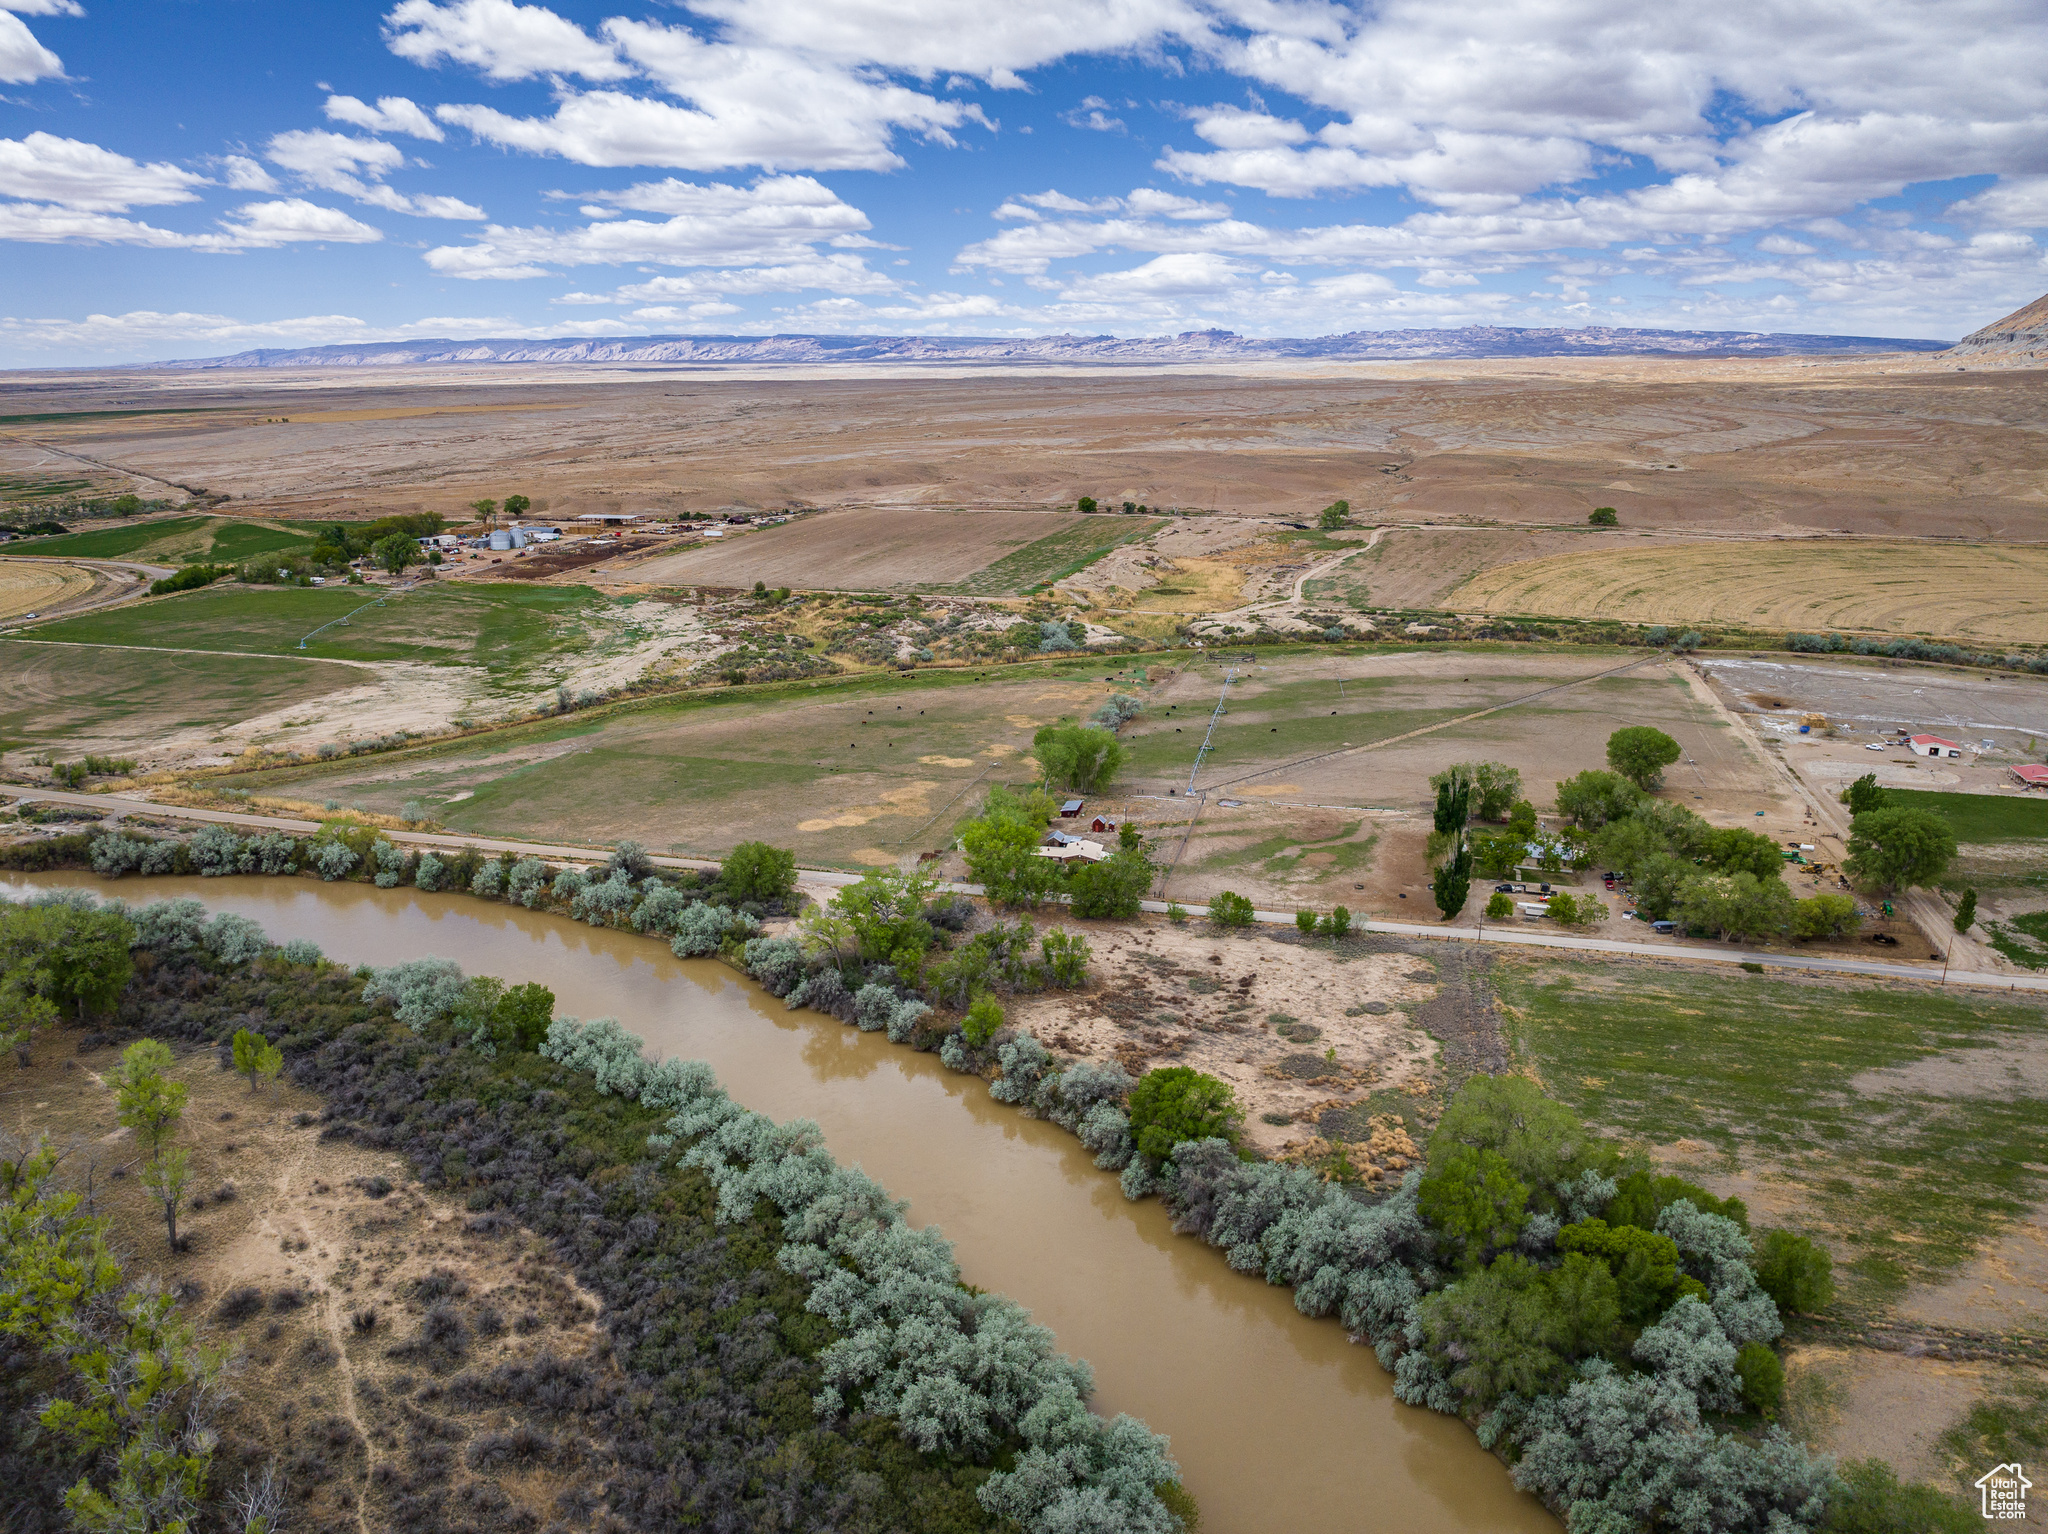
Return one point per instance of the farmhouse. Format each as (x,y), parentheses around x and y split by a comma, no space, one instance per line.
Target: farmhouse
(1933,745)
(1070,847)
(2031,776)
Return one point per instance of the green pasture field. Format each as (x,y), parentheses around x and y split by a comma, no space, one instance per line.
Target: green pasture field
(173,540)
(1980,817)
(1051,558)
(509,629)
(1894,1115)
(137,697)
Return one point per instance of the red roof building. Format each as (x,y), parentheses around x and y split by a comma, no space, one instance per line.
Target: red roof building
(1933,745)
(2033,777)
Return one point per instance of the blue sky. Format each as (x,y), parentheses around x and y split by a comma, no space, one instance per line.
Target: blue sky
(188,177)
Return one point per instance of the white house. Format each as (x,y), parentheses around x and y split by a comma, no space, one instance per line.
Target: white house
(1933,745)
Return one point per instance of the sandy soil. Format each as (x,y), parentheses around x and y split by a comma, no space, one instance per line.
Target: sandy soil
(307,1244)
(1857,1403)
(1879,445)
(1137,567)
(1266,1016)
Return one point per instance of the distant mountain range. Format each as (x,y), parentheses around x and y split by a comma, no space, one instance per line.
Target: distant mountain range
(1190,346)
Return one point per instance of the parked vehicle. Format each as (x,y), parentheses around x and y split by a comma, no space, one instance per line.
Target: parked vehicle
(1666,927)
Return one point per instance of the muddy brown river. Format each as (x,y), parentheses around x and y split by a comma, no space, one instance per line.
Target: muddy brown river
(1278,1422)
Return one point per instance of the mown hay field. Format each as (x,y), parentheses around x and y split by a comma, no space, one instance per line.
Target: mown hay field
(1974,592)
(871,548)
(27,587)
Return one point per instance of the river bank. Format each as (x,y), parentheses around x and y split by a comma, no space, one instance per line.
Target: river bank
(1276,1419)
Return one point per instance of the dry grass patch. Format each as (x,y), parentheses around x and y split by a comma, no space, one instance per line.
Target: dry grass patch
(1990,594)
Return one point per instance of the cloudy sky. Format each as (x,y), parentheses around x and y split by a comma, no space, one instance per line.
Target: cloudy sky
(187,177)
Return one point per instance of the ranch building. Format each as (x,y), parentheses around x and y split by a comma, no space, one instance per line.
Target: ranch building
(1933,745)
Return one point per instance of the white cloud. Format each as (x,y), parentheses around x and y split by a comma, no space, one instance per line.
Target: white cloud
(334,162)
(44,7)
(2019,202)
(23,59)
(1782,245)
(775,221)
(1230,127)
(293,219)
(503,40)
(391,114)
(1165,277)
(245,175)
(81,175)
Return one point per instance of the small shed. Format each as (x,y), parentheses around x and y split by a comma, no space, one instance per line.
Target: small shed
(1070,809)
(1933,745)
(1102,823)
(2032,776)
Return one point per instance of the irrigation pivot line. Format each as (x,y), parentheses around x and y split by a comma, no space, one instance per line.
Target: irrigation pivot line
(1228,677)
(342,620)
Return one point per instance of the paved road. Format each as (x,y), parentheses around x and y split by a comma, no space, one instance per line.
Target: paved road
(819,879)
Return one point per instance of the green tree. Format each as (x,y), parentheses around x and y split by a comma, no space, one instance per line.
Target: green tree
(1337,924)
(1522,819)
(1603,516)
(984,1017)
(1739,906)
(77,960)
(165,1179)
(1334,516)
(1734,850)
(1644,1264)
(256,1057)
(1079,756)
(1593,798)
(1453,882)
(1305,922)
(1542,1140)
(1893,848)
(144,1100)
(1500,906)
(1966,911)
(757,871)
(1497,854)
(517,505)
(1762,1377)
(1824,915)
(1177,1103)
(486,510)
(1453,798)
(1472,1198)
(1863,795)
(1657,883)
(1113,888)
(1640,753)
(521,1017)
(141,1402)
(1795,1272)
(24,1011)
(1230,909)
(1085,504)
(1066,956)
(1514,1327)
(1495,787)
(1001,845)
(397,552)
(880,917)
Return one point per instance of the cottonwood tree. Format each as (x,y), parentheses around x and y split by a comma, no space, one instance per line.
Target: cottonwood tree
(145,1100)
(256,1057)
(1893,848)
(1079,756)
(1640,753)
